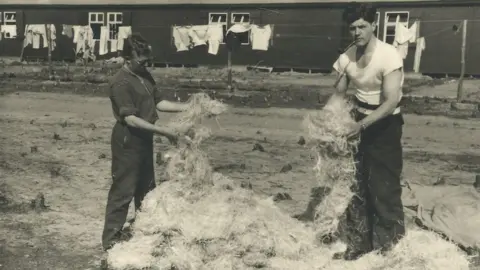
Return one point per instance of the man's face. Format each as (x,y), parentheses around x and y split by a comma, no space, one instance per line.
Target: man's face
(362,31)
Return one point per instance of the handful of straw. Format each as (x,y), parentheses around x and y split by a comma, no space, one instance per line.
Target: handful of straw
(328,126)
(189,163)
(200,105)
(335,166)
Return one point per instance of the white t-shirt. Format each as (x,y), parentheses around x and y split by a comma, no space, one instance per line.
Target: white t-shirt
(260,37)
(368,80)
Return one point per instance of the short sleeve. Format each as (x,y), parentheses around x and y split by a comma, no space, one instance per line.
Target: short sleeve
(339,65)
(393,63)
(121,96)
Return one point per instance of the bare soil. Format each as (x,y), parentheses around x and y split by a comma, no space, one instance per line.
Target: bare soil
(58,145)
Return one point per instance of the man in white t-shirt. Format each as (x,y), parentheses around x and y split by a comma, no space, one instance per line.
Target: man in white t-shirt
(375,217)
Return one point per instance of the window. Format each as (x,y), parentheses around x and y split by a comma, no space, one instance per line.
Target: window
(219,18)
(390,22)
(242,18)
(9,18)
(377,24)
(96,20)
(114,21)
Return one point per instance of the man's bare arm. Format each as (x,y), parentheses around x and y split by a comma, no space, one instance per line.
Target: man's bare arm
(169,106)
(340,87)
(391,91)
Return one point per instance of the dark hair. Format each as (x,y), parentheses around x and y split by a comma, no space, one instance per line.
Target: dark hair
(138,44)
(356,11)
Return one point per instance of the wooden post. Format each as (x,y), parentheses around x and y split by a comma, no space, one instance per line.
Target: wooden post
(49,40)
(229,67)
(462,61)
(23,49)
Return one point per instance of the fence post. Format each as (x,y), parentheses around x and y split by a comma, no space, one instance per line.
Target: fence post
(229,68)
(49,41)
(462,61)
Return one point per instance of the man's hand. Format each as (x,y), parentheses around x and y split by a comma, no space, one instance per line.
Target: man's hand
(353,130)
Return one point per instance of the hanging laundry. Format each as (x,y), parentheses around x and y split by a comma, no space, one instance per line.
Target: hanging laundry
(234,38)
(89,44)
(414,31)
(181,38)
(198,34)
(83,37)
(33,34)
(123,33)
(89,37)
(421,46)
(28,36)
(67,30)
(103,40)
(403,35)
(9,31)
(214,38)
(53,37)
(113,45)
(80,38)
(260,37)
(240,28)
(76,32)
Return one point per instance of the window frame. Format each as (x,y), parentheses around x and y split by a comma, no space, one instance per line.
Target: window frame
(210,22)
(232,21)
(4,18)
(119,23)
(90,22)
(388,24)
(377,23)
(5,21)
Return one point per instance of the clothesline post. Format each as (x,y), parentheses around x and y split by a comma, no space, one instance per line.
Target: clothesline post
(229,67)
(49,40)
(462,61)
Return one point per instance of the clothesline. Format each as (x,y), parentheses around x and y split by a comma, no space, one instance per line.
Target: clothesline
(447,29)
(330,24)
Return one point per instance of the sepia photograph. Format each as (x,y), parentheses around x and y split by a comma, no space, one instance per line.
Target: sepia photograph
(239,134)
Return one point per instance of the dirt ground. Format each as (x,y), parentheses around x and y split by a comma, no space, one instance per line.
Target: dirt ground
(58,145)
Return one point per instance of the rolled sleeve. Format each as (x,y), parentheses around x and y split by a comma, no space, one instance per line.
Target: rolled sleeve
(121,96)
(393,63)
(340,64)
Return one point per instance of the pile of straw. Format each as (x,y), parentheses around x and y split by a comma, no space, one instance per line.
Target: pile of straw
(335,166)
(199,220)
(418,250)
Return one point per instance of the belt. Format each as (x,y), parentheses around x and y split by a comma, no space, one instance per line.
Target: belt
(365,107)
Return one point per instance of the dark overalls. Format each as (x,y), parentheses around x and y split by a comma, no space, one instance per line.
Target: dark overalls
(132,149)
(375,217)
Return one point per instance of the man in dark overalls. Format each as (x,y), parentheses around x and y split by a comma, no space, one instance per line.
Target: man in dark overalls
(374,217)
(135,101)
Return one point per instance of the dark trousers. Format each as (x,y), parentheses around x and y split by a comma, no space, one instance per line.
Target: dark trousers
(375,217)
(133,177)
